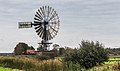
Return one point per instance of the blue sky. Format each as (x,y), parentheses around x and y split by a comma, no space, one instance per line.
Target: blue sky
(79,20)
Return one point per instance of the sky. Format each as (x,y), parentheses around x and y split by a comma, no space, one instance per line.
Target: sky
(93,20)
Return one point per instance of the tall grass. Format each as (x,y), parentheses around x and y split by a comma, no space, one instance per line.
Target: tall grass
(35,65)
(27,64)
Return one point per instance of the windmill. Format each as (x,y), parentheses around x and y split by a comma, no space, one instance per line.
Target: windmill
(46,23)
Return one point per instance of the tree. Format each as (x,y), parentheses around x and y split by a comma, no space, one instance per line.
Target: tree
(88,55)
(55,46)
(32,48)
(21,48)
(61,51)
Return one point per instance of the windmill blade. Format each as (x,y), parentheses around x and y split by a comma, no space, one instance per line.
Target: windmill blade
(37,27)
(48,12)
(40,13)
(41,34)
(55,18)
(37,19)
(38,33)
(52,11)
(37,22)
(45,11)
(53,22)
(40,30)
(53,29)
(53,15)
(39,16)
(52,35)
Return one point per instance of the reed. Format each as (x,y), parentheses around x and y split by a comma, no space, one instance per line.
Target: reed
(27,64)
(34,65)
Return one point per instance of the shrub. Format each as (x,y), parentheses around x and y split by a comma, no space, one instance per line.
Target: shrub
(88,55)
(116,67)
(43,57)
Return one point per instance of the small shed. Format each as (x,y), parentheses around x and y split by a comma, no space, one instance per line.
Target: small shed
(30,52)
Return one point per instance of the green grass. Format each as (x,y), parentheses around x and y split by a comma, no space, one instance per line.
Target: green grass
(8,69)
(113,61)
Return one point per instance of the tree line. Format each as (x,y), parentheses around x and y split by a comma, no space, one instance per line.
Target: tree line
(88,55)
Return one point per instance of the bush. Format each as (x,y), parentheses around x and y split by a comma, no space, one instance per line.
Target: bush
(88,55)
(116,67)
(44,57)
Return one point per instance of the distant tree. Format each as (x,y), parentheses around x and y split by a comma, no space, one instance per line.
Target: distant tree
(21,48)
(88,55)
(40,48)
(68,49)
(55,46)
(55,49)
(32,48)
(61,51)
(113,51)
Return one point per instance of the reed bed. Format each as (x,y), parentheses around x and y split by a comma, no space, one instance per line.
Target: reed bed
(26,64)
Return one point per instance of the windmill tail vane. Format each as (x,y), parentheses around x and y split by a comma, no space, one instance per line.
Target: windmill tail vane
(25,24)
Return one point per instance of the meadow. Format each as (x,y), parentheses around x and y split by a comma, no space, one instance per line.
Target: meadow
(28,64)
(8,69)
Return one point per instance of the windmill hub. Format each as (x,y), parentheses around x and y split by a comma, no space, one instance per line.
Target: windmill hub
(46,22)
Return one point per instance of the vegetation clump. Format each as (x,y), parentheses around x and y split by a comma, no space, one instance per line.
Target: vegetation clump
(88,55)
(21,48)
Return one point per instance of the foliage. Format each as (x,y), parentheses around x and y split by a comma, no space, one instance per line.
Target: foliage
(88,55)
(26,64)
(61,51)
(55,46)
(43,57)
(35,65)
(113,51)
(21,48)
(116,67)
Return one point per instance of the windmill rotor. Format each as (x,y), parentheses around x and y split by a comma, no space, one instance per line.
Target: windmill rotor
(47,21)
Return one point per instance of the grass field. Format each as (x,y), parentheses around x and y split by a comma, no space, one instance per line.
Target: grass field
(8,69)
(113,61)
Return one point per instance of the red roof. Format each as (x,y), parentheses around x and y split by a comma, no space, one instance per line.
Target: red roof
(31,51)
